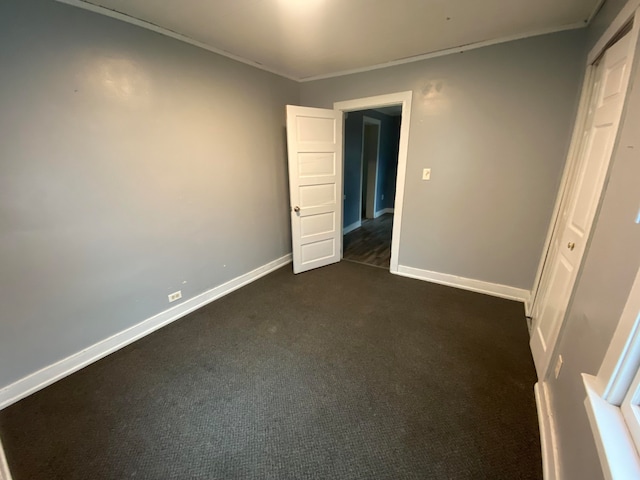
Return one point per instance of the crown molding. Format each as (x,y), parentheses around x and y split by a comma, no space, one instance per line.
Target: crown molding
(170,33)
(417,58)
(447,51)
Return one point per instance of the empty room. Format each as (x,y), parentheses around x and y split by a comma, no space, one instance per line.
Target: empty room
(319,239)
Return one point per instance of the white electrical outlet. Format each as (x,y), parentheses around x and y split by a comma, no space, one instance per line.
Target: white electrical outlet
(558,366)
(426,174)
(175,296)
(382,197)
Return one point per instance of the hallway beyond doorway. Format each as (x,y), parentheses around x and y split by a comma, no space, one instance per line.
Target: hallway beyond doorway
(371,243)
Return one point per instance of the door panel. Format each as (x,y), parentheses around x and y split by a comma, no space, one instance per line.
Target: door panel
(317,224)
(311,129)
(317,195)
(577,214)
(558,289)
(314,140)
(316,165)
(316,251)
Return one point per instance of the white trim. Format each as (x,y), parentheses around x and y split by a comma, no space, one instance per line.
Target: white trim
(169,33)
(5,474)
(626,15)
(572,158)
(183,38)
(46,376)
(623,17)
(403,98)
(618,456)
(615,444)
(528,305)
(447,51)
(548,443)
(494,289)
(622,360)
(620,21)
(352,227)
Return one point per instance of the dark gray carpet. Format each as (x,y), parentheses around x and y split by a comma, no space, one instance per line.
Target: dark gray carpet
(346,372)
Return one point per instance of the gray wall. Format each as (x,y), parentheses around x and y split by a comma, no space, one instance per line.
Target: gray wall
(609,268)
(387,167)
(130,163)
(494,126)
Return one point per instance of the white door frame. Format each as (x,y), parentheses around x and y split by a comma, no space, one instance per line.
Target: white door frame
(626,15)
(404,99)
(369,121)
(572,159)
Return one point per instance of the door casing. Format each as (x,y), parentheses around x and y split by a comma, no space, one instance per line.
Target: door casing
(627,15)
(391,99)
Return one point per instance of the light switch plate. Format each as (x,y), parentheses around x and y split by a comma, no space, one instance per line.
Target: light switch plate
(426,174)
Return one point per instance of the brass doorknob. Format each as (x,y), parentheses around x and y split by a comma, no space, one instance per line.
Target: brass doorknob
(296,209)
(571,246)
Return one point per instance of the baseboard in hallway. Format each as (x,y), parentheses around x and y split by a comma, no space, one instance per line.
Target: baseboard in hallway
(352,227)
(56,371)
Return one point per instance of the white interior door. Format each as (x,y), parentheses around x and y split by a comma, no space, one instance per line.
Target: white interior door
(576,218)
(314,140)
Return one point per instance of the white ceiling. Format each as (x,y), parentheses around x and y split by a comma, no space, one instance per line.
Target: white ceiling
(311,38)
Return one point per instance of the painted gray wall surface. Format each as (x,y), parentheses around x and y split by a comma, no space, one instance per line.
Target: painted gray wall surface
(610,266)
(494,125)
(130,163)
(388,162)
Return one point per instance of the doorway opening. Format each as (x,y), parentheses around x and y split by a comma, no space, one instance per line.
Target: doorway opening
(371,146)
(403,100)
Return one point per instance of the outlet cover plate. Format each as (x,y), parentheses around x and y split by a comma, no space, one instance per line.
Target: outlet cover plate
(175,296)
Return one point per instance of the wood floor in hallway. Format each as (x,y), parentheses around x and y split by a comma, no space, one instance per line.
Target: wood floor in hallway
(371,243)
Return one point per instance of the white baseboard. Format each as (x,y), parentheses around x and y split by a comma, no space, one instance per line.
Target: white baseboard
(5,474)
(550,470)
(46,376)
(495,289)
(352,227)
(527,306)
